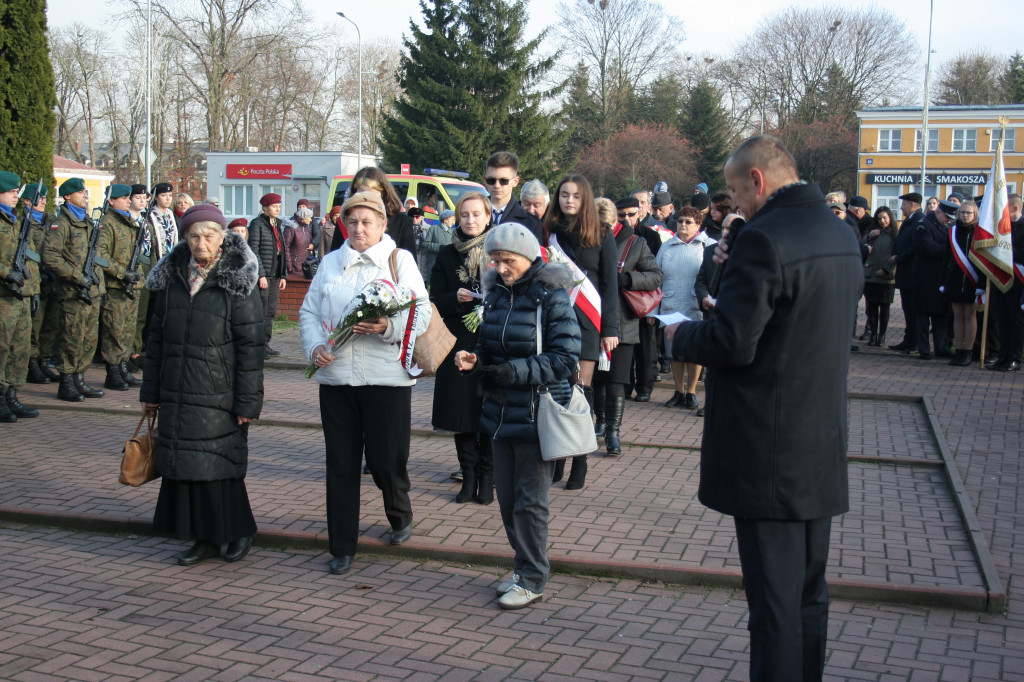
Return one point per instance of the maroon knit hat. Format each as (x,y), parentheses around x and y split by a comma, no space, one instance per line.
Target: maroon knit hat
(201,213)
(269,199)
(238,222)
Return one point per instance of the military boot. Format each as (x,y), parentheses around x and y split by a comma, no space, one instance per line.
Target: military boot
(44,366)
(6,416)
(114,380)
(85,389)
(126,374)
(67,390)
(16,407)
(35,372)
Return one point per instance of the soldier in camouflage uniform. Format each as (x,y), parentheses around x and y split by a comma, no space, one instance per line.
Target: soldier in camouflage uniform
(64,252)
(46,308)
(119,309)
(15,295)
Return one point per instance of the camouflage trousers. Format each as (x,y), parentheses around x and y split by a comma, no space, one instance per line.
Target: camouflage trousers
(76,345)
(117,332)
(45,327)
(142,294)
(15,325)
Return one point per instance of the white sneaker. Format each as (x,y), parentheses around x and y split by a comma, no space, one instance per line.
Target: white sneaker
(506,585)
(518,598)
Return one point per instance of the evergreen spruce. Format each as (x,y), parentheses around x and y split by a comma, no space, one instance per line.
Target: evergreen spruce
(1012,80)
(27,92)
(705,124)
(580,117)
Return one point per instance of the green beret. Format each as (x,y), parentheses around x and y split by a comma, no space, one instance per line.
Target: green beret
(9,181)
(118,191)
(30,191)
(70,186)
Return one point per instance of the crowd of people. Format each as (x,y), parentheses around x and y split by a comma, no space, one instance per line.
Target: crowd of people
(540,294)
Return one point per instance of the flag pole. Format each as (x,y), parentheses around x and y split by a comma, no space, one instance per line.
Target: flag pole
(984,323)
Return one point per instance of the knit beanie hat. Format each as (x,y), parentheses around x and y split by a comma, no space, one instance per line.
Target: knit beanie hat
(514,238)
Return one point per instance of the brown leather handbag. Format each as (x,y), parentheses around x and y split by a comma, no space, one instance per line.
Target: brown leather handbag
(643,303)
(138,465)
(433,345)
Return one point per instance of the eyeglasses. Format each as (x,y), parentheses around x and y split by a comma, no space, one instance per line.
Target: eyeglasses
(629,215)
(494,181)
(688,221)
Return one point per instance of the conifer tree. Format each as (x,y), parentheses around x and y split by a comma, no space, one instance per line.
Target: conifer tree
(705,124)
(27,95)
(1012,80)
(580,118)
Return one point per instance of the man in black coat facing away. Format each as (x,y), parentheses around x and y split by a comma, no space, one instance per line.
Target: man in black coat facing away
(903,257)
(774,449)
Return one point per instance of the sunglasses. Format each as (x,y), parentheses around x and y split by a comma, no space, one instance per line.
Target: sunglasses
(628,215)
(494,181)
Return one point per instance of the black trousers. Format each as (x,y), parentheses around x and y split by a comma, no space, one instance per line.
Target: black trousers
(1004,309)
(645,358)
(787,596)
(370,420)
(940,332)
(906,301)
(269,298)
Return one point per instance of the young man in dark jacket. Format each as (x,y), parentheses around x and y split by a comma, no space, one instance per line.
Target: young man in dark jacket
(774,449)
(501,177)
(266,239)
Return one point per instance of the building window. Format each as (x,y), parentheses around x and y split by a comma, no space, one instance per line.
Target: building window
(890,140)
(888,195)
(966,191)
(1010,139)
(276,189)
(237,199)
(965,140)
(933,140)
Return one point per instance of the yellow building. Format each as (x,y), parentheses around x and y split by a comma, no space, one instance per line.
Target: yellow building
(961,145)
(96,181)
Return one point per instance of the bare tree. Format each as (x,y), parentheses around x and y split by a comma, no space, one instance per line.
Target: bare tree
(76,53)
(622,43)
(969,78)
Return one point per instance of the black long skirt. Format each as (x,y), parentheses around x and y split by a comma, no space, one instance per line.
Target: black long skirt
(211,511)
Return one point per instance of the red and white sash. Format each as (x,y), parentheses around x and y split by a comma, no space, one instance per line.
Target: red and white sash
(583,294)
(961,257)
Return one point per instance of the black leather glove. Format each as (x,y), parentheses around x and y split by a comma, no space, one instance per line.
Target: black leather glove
(131,277)
(497,375)
(35,304)
(16,278)
(625,281)
(85,283)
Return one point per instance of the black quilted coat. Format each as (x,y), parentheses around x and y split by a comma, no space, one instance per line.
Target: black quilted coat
(204,363)
(509,334)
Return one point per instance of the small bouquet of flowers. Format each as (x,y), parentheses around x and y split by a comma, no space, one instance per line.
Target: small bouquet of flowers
(379,298)
(474,318)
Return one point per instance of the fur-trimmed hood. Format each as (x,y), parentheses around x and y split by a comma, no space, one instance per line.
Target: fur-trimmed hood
(551,275)
(237,272)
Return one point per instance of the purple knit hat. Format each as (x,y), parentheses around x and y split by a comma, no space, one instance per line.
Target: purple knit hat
(201,213)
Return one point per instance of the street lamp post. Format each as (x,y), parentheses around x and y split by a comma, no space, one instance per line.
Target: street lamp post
(359,49)
(924,111)
(149,95)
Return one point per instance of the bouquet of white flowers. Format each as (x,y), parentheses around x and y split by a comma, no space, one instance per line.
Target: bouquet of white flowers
(379,298)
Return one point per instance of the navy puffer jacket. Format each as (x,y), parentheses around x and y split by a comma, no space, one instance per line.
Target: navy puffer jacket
(509,334)
(204,363)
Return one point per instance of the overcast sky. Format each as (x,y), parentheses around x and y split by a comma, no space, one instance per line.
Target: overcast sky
(991,25)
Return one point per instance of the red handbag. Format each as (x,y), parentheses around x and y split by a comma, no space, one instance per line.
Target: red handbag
(643,303)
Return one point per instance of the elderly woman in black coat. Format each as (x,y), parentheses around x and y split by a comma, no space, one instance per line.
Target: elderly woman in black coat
(204,376)
(637,271)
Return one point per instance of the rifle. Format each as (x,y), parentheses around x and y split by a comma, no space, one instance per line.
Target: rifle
(24,253)
(133,264)
(91,258)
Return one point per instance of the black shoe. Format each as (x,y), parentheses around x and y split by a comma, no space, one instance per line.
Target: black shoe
(559,471)
(854,348)
(485,489)
(35,373)
(114,380)
(873,340)
(457,475)
(902,345)
(642,398)
(675,401)
(1010,366)
(401,536)
(67,389)
(689,401)
(578,473)
(17,409)
(924,356)
(657,378)
(201,551)
(943,353)
(991,363)
(85,389)
(6,416)
(126,375)
(270,352)
(339,565)
(468,491)
(865,336)
(237,549)
(961,359)
(665,368)
(700,412)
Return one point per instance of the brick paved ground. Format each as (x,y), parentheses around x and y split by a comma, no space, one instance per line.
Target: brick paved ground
(84,606)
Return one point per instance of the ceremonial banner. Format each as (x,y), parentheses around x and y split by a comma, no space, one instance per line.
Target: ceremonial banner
(992,248)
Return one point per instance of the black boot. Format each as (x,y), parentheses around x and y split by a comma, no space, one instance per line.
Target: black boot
(35,373)
(466,450)
(6,416)
(962,358)
(578,473)
(114,380)
(44,366)
(559,471)
(484,472)
(873,340)
(67,390)
(485,492)
(16,407)
(127,376)
(615,404)
(599,403)
(85,389)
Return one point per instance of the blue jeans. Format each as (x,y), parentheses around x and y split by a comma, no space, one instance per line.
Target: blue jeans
(522,479)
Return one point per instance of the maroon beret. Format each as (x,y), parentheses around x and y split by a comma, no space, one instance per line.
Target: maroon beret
(201,213)
(269,199)
(302,202)
(238,222)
